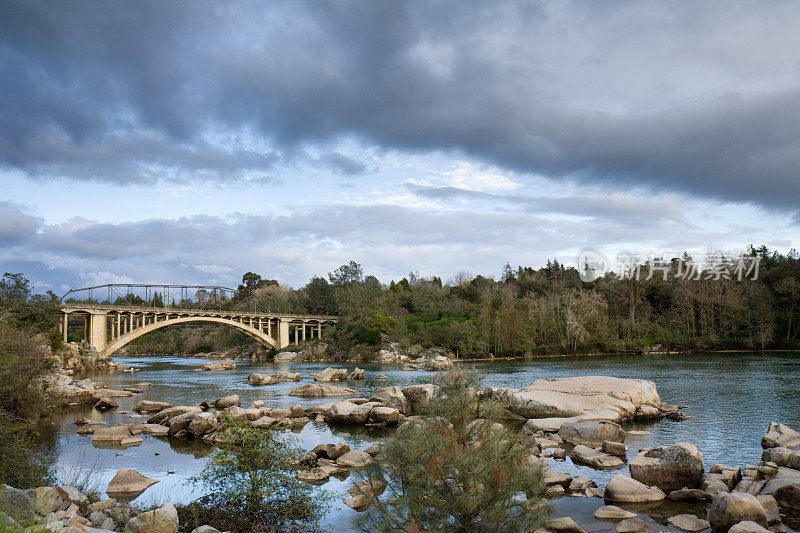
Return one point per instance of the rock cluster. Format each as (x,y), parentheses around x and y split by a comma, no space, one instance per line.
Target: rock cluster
(336,460)
(66,509)
(67,391)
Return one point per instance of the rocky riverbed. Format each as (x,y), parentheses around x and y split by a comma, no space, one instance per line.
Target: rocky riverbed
(590,437)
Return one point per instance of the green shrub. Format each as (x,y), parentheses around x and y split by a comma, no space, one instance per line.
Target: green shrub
(452,471)
(251,485)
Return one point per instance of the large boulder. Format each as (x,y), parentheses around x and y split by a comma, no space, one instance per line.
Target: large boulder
(591,432)
(128,484)
(163,416)
(594,458)
(748,527)
(623,489)
(345,412)
(161,520)
(354,459)
(392,397)
(780,435)
(669,467)
(784,486)
(227,401)
(730,508)
(419,395)
(150,406)
(330,374)
(437,363)
(317,390)
(256,379)
(16,503)
(225,364)
(605,398)
(285,375)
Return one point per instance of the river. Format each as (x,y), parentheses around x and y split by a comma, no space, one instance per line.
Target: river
(731,397)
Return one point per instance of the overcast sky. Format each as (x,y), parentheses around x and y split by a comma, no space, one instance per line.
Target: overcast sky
(189,142)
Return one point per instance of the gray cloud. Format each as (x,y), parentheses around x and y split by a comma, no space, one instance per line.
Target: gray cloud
(16,225)
(669,95)
(339,162)
(388,240)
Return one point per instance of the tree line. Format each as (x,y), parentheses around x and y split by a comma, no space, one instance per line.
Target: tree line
(537,311)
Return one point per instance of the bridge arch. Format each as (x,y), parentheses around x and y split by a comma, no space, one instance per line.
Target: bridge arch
(253,333)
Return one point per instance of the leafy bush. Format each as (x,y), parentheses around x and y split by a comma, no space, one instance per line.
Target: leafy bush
(453,471)
(251,486)
(24,465)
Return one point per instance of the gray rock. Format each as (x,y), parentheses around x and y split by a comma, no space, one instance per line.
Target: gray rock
(20,505)
(591,433)
(128,484)
(688,495)
(46,500)
(564,525)
(392,397)
(228,401)
(225,364)
(554,477)
(354,459)
(384,415)
(688,522)
(728,509)
(747,526)
(419,395)
(104,404)
(594,458)
(317,390)
(780,435)
(623,489)
(261,379)
(612,513)
(205,529)
(633,525)
(581,483)
(71,494)
(161,520)
(149,406)
(604,397)
(669,467)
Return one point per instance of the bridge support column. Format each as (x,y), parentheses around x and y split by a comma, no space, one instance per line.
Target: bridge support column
(98,331)
(65,326)
(283,334)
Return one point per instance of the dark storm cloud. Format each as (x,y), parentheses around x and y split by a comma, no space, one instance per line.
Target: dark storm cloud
(670,95)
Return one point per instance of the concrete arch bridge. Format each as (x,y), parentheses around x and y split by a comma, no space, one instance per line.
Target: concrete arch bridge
(107,328)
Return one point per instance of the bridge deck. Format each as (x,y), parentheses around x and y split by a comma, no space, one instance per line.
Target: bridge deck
(90,308)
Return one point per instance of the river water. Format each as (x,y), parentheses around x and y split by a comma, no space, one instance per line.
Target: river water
(731,397)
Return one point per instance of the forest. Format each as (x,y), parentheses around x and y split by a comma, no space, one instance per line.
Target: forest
(529,311)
